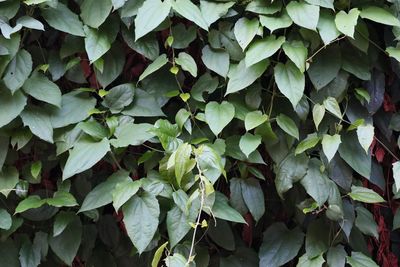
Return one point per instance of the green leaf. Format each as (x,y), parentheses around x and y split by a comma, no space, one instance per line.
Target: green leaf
(315,182)
(253,197)
(62,199)
(297,53)
(354,155)
(144,105)
(8,180)
(393,52)
(262,49)
(292,169)
(40,87)
(62,220)
(241,76)
(346,22)
(14,104)
(190,11)
(396,220)
(318,113)
(275,23)
(66,244)
(182,162)
(280,245)
(125,137)
(38,121)
(358,259)
(290,81)
(216,60)
(309,142)
(396,174)
(254,119)
(317,239)
(187,63)
(158,254)
(94,129)
(325,67)
(305,261)
(365,222)
(141,219)
(97,43)
(31,202)
(222,210)
(102,194)
(178,222)
(75,107)
(330,145)
(303,14)
(18,70)
(63,19)
(219,115)
(327,27)
(176,260)
(150,15)
(332,106)
(154,66)
(95,12)
(84,155)
(379,15)
(336,256)
(365,195)
(119,97)
(123,191)
(365,134)
(287,125)
(9,253)
(249,142)
(211,11)
(115,59)
(5,219)
(245,30)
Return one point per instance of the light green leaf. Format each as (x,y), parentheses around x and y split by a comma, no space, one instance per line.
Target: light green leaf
(182,163)
(123,191)
(245,30)
(330,145)
(336,256)
(253,197)
(150,15)
(287,125)
(318,113)
(262,49)
(290,81)
(18,70)
(240,76)
(222,210)
(38,121)
(212,11)
(327,27)
(396,174)
(154,66)
(94,129)
(354,155)
(249,142)
(14,104)
(63,19)
(358,259)
(125,137)
(346,22)
(102,194)
(97,43)
(5,219)
(31,202)
(305,261)
(41,88)
(280,245)
(254,119)
(365,195)
(303,14)
(178,222)
(219,115)
(8,180)
(216,60)
(275,23)
(309,142)
(31,23)
(190,11)
(95,12)
(332,106)
(187,63)
(62,199)
(297,53)
(75,107)
(141,219)
(158,254)
(393,52)
(379,15)
(84,155)
(365,134)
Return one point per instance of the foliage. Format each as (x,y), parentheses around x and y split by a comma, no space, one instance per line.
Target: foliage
(199,133)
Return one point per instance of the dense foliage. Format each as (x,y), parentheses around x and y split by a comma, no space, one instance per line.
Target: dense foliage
(199,133)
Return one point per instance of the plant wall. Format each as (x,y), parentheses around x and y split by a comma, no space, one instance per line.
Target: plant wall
(199,133)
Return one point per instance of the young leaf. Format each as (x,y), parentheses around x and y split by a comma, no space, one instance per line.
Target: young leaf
(346,22)
(332,106)
(290,81)
(330,145)
(288,125)
(187,63)
(254,119)
(219,115)
(365,134)
(248,143)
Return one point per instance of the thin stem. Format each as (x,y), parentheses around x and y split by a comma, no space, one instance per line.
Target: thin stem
(115,160)
(323,47)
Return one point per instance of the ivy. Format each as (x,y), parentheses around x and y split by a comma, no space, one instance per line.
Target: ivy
(199,133)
